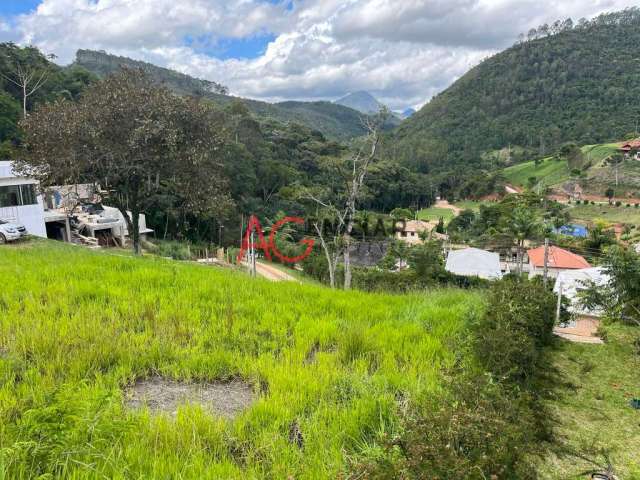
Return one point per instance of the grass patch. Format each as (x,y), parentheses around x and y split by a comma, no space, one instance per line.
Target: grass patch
(609,213)
(78,328)
(435,213)
(550,171)
(593,408)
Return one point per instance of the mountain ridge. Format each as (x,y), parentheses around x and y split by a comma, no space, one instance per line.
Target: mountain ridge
(335,121)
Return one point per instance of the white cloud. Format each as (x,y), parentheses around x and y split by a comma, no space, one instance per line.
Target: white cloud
(401,51)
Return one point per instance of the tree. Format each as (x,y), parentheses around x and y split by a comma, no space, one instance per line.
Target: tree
(620,297)
(27,69)
(341,206)
(610,193)
(137,140)
(522,225)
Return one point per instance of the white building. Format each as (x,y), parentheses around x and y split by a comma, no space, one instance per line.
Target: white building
(473,262)
(584,322)
(20,200)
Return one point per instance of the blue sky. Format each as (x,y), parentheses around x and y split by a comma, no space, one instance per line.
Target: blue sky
(401,51)
(14,7)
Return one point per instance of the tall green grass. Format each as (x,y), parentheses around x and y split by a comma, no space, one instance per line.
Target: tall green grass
(77,327)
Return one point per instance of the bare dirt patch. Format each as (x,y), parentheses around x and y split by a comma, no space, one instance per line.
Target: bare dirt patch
(164,395)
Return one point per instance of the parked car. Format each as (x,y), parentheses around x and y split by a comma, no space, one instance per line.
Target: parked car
(10,231)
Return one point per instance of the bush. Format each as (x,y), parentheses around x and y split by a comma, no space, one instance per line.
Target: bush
(473,431)
(172,249)
(510,338)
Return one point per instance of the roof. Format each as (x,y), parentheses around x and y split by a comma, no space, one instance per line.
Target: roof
(418,226)
(572,281)
(473,262)
(558,258)
(631,145)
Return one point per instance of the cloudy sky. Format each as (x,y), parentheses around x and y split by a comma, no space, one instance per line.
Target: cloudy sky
(402,51)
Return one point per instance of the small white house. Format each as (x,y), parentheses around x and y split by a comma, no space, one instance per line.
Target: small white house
(473,262)
(20,200)
(584,322)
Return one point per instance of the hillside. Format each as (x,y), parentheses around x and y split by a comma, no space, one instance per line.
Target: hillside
(335,121)
(322,370)
(567,83)
(597,175)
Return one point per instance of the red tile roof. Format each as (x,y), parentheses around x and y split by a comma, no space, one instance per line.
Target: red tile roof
(631,145)
(558,258)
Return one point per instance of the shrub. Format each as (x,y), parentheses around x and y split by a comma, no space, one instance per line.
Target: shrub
(175,250)
(510,338)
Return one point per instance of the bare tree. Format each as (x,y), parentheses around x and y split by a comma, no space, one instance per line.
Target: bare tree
(343,211)
(29,76)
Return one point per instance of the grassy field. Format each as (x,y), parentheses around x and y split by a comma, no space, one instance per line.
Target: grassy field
(77,328)
(435,213)
(593,409)
(550,171)
(609,213)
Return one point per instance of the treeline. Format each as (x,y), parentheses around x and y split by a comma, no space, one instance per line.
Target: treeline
(263,162)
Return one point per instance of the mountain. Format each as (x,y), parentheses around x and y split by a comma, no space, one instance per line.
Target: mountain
(406,113)
(361,101)
(335,121)
(564,83)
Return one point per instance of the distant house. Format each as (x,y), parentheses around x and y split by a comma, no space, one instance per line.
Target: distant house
(577,231)
(473,262)
(20,201)
(559,260)
(569,284)
(413,228)
(631,149)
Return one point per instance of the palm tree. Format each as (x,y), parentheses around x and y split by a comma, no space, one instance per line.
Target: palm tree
(523,225)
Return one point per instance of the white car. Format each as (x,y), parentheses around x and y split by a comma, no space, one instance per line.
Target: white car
(10,231)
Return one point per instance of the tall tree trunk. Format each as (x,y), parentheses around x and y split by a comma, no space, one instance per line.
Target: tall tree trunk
(347,255)
(331,264)
(24,100)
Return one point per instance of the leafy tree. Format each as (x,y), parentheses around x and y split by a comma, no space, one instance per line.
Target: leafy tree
(398,214)
(610,193)
(135,139)
(522,225)
(620,298)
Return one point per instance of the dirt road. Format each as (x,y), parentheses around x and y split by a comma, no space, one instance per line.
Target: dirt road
(446,204)
(274,274)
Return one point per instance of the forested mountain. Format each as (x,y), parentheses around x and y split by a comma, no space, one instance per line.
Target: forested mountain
(560,83)
(335,121)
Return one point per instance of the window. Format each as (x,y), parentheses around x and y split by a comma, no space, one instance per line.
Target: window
(18,195)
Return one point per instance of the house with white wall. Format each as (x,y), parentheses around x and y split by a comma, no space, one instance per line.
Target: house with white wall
(20,200)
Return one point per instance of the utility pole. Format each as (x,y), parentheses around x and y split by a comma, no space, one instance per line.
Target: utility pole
(559,305)
(546,261)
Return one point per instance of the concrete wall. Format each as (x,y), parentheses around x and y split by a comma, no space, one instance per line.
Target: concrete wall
(31,216)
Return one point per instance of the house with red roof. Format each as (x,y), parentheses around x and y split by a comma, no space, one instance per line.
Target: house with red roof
(559,260)
(631,149)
